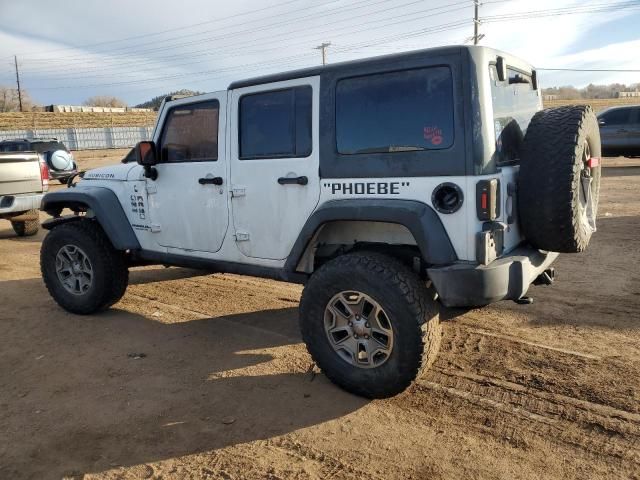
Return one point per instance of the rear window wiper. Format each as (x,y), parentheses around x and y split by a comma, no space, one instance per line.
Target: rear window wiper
(390,149)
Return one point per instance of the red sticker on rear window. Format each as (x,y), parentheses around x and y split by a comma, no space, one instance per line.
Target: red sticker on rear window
(433,135)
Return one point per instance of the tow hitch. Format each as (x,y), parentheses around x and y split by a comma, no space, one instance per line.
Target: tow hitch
(546,278)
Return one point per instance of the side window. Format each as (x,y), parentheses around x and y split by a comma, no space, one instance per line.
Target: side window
(402,111)
(190,133)
(275,124)
(621,116)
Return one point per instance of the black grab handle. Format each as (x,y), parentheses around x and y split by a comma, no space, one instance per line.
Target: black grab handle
(210,181)
(293,180)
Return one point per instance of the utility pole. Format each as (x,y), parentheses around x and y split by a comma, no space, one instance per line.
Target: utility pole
(323,47)
(476,23)
(15,58)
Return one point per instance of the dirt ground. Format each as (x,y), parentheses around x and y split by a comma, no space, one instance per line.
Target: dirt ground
(205,376)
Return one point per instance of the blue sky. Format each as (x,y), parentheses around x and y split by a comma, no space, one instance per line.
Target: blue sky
(69,50)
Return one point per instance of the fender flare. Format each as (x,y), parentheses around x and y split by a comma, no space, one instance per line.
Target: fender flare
(105,206)
(419,218)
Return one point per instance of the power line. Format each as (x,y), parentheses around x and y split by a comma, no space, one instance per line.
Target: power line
(271,40)
(614,70)
(238,46)
(136,51)
(185,27)
(421,32)
(575,10)
(427,31)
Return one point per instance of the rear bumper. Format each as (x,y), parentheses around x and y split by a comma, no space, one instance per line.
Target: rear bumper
(10,204)
(58,174)
(506,278)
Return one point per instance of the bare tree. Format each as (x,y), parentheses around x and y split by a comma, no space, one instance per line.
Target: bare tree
(590,91)
(104,101)
(9,100)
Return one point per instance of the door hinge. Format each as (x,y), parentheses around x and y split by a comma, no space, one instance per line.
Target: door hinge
(238,191)
(155,228)
(241,236)
(152,187)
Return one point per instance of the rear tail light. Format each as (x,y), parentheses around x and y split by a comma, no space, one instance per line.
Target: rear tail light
(44,176)
(488,199)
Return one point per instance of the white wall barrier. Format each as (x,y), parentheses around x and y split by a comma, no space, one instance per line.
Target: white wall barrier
(86,138)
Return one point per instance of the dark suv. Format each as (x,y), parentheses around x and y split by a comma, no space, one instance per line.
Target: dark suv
(620,131)
(57,156)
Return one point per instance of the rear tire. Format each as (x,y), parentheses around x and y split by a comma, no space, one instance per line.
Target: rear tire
(412,323)
(27,228)
(81,269)
(557,190)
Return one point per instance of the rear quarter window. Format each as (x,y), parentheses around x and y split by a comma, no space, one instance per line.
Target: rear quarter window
(410,110)
(515,102)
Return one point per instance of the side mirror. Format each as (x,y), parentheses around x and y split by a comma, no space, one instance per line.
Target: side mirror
(146,156)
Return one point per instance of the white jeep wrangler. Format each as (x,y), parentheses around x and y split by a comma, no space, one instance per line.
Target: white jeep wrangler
(383,185)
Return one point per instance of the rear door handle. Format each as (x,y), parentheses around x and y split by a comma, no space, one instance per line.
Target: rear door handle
(293,180)
(210,181)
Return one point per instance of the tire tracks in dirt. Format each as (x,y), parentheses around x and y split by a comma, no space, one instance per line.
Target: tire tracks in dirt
(510,406)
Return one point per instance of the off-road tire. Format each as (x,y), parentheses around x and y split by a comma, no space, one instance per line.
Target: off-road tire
(110,272)
(550,174)
(412,310)
(28,228)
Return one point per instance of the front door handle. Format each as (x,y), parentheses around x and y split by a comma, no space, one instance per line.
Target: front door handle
(293,180)
(210,181)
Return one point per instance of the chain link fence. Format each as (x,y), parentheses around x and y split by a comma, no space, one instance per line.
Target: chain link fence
(86,138)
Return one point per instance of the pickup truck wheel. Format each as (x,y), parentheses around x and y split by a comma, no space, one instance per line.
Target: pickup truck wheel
(559,182)
(28,228)
(369,323)
(81,269)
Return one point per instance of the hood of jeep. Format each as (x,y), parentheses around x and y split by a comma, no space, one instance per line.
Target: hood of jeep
(112,172)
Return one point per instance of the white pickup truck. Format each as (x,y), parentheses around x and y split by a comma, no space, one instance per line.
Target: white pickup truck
(23,180)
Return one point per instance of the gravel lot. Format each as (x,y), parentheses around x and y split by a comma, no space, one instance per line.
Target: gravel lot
(205,376)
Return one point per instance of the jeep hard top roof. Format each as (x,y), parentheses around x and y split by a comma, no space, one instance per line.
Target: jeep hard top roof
(474,50)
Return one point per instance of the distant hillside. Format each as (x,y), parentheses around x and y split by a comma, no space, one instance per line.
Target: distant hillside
(156,101)
(45,120)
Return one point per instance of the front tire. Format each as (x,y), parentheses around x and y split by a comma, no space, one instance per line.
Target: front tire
(369,323)
(81,269)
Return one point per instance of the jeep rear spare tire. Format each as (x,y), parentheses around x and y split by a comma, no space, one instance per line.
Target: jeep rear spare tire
(559,180)
(370,323)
